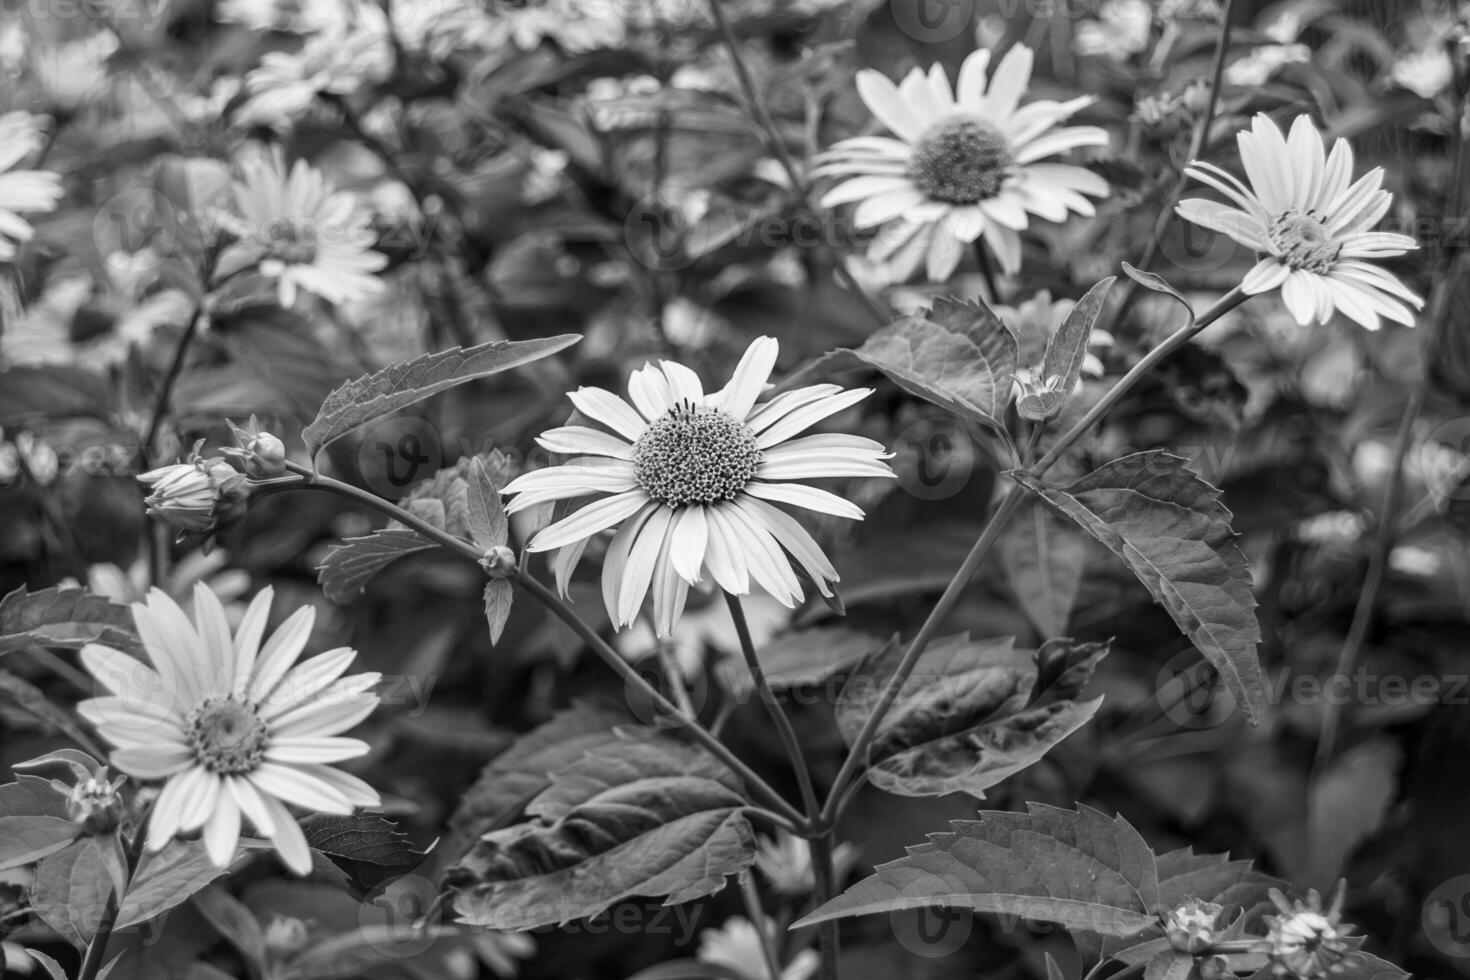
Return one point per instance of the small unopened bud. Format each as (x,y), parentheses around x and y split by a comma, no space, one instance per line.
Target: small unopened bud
(1038,400)
(286,936)
(95,804)
(262,454)
(1190,928)
(1214,967)
(499,562)
(1307,942)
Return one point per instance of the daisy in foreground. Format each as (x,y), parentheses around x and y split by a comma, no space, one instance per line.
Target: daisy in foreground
(21,190)
(312,236)
(692,480)
(966,165)
(1312,225)
(229,725)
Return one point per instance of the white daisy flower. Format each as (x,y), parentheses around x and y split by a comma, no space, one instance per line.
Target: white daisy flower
(692,480)
(1311,224)
(736,946)
(313,236)
(229,725)
(966,164)
(21,190)
(334,62)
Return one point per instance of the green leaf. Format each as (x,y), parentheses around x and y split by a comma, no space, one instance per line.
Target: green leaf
(487,521)
(1158,284)
(26,840)
(647,817)
(517,775)
(1171,530)
(969,716)
(364,837)
(957,355)
(1078,869)
(166,879)
(31,796)
(1169,965)
(1212,878)
(1067,348)
(349,566)
(807,657)
(67,618)
(400,385)
(1043,558)
(498,596)
(72,887)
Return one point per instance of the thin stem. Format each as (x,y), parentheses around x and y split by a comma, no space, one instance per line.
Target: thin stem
(1146,364)
(93,959)
(631,677)
(987,273)
(757,104)
(825,874)
(758,920)
(1352,646)
(773,707)
(165,392)
(857,756)
(821,839)
(1196,149)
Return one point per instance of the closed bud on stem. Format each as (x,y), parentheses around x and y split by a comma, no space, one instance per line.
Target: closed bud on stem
(499,562)
(197,495)
(261,454)
(95,804)
(1190,927)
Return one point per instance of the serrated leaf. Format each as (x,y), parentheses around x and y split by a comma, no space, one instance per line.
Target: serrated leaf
(67,618)
(1067,348)
(487,521)
(1212,878)
(648,817)
(1043,557)
(400,385)
(1171,530)
(361,837)
(1079,869)
(499,594)
(513,778)
(969,716)
(165,879)
(349,566)
(956,355)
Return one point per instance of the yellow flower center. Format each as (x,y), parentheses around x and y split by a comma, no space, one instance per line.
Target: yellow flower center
(1302,242)
(961,161)
(227,736)
(695,455)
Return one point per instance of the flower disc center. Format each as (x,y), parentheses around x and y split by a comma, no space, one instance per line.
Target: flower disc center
(961,161)
(291,243)
(1303,242)
(228,736)
(695,455)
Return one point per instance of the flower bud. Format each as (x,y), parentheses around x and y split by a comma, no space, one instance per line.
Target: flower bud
(285,936)
(499,562)
(197,495)
(95,804)
(1038,400)
(1190,927)
(262,454)
(1306,942)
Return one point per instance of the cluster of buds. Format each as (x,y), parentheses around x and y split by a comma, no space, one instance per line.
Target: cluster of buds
(204,493)
(1038,398)
(1306,942)
(1173,109)
(1190,928)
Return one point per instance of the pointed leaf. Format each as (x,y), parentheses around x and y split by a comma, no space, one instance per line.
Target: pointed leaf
(1158,284)
(522,771)
(234,921)
(400,385)
(349,566)
(498,596)
(970,715)
(166,879)
(1171,530)
(487,520)
(1043,558)
(648,817)
(365,837)
(26,840)
(67,618)
(1067,348)
(1169,965)
(53,969)
(72,887)
(956,355)
(1078,869)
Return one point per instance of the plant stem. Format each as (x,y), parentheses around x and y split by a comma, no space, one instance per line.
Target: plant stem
(1173,342)
(165,391)
(758,920)
(757,104)
(821,839)
(857,756)
(631,677)
(824,873)
(92,960)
